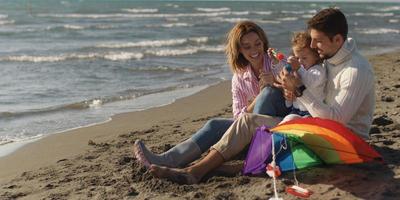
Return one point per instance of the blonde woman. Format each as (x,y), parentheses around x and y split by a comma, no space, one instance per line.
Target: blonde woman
(246,50)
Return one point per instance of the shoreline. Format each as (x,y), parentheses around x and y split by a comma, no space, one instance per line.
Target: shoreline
(117,121)
(97,162)
(167,97)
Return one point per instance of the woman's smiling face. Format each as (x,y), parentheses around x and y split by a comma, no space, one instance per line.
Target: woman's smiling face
(252,47)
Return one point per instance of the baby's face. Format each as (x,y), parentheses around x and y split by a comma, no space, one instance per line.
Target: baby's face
(306,57)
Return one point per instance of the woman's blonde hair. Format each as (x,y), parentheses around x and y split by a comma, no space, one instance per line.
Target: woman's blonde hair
(236,60)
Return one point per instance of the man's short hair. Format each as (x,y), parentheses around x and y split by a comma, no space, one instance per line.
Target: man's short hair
(330,21)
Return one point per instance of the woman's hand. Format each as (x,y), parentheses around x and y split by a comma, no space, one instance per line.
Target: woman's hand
(265,79)
(272,56)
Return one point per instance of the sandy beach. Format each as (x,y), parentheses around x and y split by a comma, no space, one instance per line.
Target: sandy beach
(96,162)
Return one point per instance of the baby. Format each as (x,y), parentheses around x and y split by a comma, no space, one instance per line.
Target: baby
(307,63)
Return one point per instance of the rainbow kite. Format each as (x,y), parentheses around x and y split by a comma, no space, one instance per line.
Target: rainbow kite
(307,142)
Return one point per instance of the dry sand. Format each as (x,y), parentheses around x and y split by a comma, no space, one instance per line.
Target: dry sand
(96,162)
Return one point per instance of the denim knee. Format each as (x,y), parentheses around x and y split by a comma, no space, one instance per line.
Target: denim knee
(211,133)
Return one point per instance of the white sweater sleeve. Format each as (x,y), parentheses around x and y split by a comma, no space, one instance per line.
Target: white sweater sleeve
(313,77)
(345,100)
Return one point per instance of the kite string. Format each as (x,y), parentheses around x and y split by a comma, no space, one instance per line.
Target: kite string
(273,163)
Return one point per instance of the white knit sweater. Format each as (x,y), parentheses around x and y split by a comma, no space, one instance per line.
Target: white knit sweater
(350,91)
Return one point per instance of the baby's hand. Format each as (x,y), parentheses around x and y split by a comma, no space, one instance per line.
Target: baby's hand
(294,62)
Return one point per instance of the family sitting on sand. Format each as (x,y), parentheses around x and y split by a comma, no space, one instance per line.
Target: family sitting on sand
(329,79)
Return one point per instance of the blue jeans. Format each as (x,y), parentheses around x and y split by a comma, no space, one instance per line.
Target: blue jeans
(270,102)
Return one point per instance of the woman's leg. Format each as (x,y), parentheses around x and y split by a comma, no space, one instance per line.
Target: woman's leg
(271,102)
(186,151)
(237,137)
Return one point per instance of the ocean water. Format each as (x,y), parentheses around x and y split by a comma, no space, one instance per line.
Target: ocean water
(67,64)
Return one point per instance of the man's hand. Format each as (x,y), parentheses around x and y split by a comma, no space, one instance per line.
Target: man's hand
(289,82)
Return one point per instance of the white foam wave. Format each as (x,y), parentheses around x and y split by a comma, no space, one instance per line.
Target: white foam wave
(288,19)
(165,69)
(120,15)
(3,16)
(114,56)
(177,25)
(172,5)
(172,19)
(263,12)
(5,22)
(185,51)
(293,12)
(379,31)
(96,103)
(172,52)
(393,20)
(123,56)
(170,25)
(374,14)
(307,16)
(267,21)
(213,9)
(241,13)
(147,43)
(153,43)
(73,27)
(230,20)
(199,39)
(104,26)
(133,10)
(391,8)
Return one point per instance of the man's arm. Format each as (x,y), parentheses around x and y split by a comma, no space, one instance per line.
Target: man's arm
(354,86)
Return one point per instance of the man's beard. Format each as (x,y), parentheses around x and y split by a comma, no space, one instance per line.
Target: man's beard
(324,56)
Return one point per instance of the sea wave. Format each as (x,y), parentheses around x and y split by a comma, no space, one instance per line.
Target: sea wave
(5,22)
(169,25)
(288,19)
(391,8)
(262,12)
(153,43)
(213,9)
(73,27)
(6,139)
(378,31)
(185,51)
(230,20)
(393,20)
(144,10)
(3,16)
(374,14)
(79,27)
(165,69)
(121,15)
(114,56)
(96,102)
